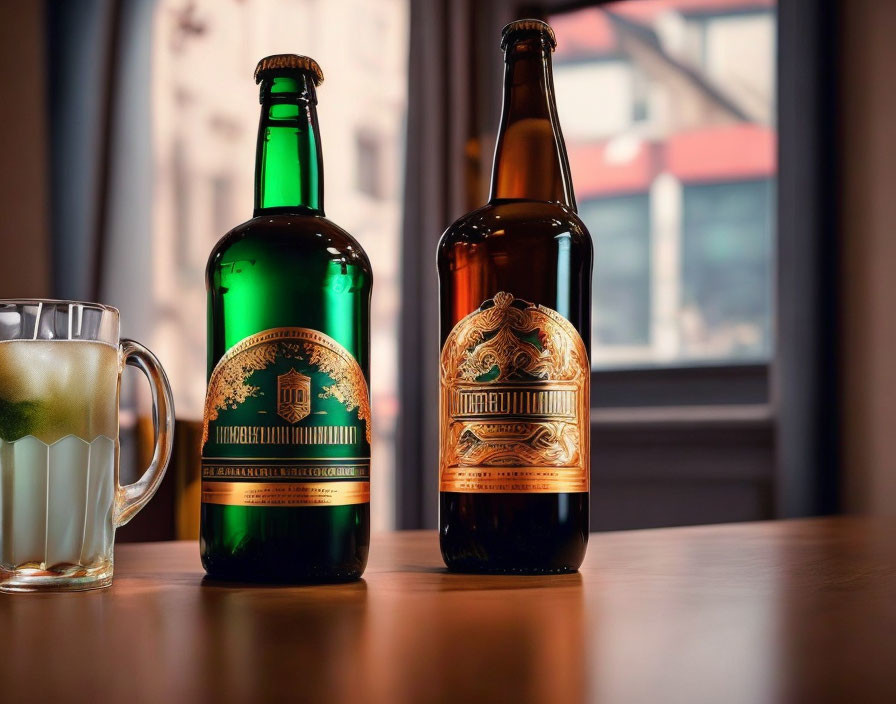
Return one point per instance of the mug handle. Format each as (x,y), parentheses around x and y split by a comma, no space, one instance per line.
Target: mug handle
(131,498)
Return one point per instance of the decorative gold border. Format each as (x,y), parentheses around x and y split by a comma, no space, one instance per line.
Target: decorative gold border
(514,480)
(327,355)
(551,455)
(241,493)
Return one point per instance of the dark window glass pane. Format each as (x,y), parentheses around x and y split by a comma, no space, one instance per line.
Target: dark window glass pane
(621,230)
(726,269)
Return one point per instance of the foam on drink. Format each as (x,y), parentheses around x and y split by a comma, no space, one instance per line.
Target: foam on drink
(50,389)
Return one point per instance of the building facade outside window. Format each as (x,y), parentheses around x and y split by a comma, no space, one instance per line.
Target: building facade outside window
(668,113)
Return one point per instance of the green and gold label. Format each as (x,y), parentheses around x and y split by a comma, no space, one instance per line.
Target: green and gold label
(514,402)
(287,423)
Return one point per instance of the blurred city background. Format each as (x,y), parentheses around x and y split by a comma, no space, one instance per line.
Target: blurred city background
(668,112)
(722,387)
(204,114)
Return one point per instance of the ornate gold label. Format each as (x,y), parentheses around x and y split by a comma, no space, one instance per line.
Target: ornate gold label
(287,423)
(514,402)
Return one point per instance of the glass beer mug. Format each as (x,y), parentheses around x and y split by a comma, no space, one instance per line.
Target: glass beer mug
(60,497)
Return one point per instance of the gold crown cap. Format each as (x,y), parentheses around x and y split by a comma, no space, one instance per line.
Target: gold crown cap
(519,26)
(288,62)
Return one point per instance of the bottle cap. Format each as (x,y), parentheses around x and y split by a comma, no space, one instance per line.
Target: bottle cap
(280,64)
(531,27)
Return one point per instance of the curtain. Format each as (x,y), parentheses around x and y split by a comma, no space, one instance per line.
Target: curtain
(100,161)
(101,182)
(80,40)
(454,99)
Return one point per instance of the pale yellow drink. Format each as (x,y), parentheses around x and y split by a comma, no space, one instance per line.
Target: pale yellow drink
(58,442)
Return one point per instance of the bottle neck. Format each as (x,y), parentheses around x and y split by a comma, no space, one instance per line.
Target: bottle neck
(530,156)
(288,163)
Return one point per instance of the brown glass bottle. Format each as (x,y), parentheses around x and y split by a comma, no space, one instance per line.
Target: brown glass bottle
(515,293)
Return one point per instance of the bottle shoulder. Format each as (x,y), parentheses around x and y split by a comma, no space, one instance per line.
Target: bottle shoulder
(292,236)
(525,219)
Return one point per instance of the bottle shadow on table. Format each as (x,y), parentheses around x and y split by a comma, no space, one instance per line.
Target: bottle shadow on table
(441,579)
(348,585)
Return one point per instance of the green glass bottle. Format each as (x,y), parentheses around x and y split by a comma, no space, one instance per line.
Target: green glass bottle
(286,437)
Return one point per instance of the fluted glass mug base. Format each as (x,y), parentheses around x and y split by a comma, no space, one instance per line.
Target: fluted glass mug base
(59,578)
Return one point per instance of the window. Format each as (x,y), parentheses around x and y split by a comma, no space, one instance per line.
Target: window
(668,113)
(205,118)
(621,232)
(725,270)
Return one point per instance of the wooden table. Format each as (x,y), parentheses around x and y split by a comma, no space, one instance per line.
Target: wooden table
(801,611)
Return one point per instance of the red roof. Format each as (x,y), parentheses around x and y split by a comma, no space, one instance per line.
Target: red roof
(596,172)
(729,153)
(586,31)
(732,152)
(590,31)
(649,10)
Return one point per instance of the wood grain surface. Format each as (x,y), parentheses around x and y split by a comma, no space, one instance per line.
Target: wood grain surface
(799,611)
